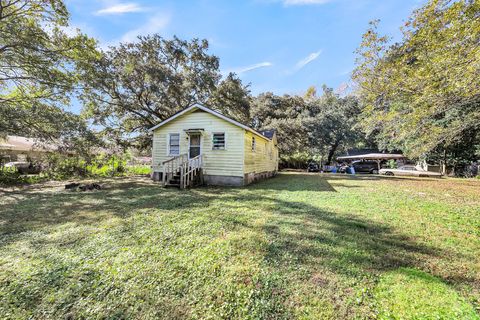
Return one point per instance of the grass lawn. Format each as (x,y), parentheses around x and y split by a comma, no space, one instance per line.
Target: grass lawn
(305,246)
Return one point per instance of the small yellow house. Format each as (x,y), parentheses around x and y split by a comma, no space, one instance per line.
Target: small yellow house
(199,145)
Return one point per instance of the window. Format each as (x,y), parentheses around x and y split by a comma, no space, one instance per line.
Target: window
(174,144)
(218,142)
(254,145)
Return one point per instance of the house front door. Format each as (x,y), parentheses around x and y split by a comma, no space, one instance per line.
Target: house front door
(195,145)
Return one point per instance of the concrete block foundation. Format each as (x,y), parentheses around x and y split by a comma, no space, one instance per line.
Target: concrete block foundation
(233,181)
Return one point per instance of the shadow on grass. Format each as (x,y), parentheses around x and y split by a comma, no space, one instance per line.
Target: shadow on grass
(302,239)
(344,244)
(311,236)
(295,182)
(373,177)
(27,211)
(321,182)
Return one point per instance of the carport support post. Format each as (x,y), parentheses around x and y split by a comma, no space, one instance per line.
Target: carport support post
(378,164)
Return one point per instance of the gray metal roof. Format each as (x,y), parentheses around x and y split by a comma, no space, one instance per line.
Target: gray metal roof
(373,156)
(268,133)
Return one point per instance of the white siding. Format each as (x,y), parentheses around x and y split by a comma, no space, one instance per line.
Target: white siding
(228,162)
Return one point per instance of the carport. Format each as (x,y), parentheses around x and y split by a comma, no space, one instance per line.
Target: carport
(377,157)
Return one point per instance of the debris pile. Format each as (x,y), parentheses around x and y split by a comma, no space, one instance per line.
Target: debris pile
(82,187)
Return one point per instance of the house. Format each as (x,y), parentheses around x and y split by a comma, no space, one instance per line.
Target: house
(17,148)
(200,145)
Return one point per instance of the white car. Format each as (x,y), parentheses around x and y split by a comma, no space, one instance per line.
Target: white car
(410,171)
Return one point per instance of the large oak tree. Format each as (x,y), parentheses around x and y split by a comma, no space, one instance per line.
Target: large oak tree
(38,69)
(135,85)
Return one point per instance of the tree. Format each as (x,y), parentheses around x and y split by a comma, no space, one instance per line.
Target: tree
(38,72)
(422,94)
(310,126)
(232,98)
(331,124)
(284,114)
(134,86)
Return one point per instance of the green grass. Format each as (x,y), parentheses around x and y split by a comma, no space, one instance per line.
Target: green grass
(301,246)
(409,293)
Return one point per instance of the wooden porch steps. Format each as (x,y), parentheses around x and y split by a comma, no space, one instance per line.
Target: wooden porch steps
(174,182)
(181,172)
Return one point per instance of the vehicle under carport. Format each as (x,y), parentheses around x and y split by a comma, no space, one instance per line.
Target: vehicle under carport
(377,157)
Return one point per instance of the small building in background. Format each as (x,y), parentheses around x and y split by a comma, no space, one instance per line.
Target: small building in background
(17,148)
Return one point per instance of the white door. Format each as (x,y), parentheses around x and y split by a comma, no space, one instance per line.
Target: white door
(195,141)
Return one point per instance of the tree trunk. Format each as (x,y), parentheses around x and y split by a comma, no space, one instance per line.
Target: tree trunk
(331,152)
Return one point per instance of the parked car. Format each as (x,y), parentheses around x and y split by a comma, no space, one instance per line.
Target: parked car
(410,171)
(24,167)
(365,166)
(343,168)
(313,167)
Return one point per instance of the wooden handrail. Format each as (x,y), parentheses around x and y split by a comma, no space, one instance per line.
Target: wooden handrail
(189,170)
(175,158)
(172,166)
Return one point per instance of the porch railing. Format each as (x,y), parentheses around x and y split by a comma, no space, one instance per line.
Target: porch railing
(172,166)
(191,171)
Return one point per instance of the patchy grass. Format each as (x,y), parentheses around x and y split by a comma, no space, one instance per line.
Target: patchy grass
(409,293)
(296,246)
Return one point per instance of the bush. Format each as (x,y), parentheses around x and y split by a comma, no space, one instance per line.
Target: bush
(107,166)
(61,167)
(11,176)
(392,164)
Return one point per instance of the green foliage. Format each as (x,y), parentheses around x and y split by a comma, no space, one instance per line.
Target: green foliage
(39,64)
(297,160)
(284,114)
(11,177)
(392,164)
(140,170)
(310,127)
(331,124)
(413,294)
(232,98)
(423,93)
(134,86)
(62,167)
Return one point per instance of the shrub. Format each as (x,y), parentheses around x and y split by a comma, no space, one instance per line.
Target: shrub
(139,170)
(61,167)
(392,164)
(11,176)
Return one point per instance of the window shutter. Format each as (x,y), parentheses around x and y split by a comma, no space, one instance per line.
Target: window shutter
(218,141)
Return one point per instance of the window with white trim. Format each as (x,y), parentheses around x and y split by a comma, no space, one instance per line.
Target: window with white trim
(254,144)
(174,144)
(218,141)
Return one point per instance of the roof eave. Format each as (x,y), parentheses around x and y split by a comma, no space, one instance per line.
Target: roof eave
(215,113)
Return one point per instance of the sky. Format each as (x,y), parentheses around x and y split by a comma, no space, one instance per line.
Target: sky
(282,46)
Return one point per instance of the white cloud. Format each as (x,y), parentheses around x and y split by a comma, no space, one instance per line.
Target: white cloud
(303,2)
(312,56)
(120,8)
(154,24)
(251,67)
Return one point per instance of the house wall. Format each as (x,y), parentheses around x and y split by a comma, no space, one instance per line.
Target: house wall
(261,162)
(227,163)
